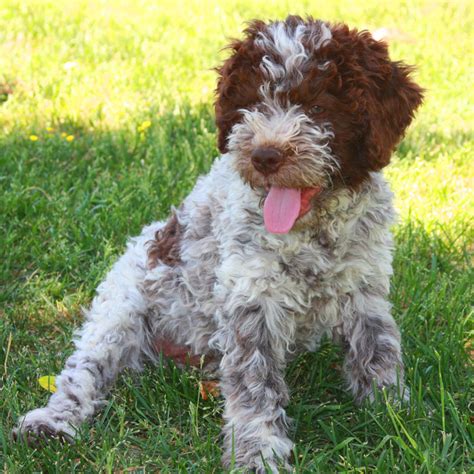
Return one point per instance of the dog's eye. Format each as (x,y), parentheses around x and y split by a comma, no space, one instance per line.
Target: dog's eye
(316,109)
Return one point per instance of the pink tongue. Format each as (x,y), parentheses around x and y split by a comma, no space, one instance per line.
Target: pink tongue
(281,209)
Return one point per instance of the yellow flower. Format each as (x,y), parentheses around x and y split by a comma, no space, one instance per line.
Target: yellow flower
(63,134)
(34,138)
(49,129)
(48,382)
(70,138)
(146,124)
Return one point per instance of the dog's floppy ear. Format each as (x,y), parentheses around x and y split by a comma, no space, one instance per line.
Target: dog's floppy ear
(390,111)
(238,81)
(391,100)
(226,112)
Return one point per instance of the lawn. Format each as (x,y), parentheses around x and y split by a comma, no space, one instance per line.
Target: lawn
(106,120)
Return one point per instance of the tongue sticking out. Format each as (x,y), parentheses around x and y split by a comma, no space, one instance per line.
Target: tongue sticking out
(281,209)
(284,205)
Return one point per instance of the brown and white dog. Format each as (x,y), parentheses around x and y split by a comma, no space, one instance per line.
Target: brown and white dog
(286,240)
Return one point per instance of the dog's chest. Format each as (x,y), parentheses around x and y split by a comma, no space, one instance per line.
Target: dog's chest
(313,268)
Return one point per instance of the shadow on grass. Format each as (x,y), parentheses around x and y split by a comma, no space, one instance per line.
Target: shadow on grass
(67,203)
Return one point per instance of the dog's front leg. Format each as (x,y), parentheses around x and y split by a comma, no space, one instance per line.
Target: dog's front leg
(252,382)
(373,350)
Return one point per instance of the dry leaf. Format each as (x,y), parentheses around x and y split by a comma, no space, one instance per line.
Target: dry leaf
(209,387)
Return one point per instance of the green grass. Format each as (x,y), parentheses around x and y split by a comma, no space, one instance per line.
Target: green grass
(96,71)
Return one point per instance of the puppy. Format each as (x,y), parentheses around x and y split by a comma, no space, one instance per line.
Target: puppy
(286,240)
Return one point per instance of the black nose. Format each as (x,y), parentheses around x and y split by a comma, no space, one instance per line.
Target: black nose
(267,160)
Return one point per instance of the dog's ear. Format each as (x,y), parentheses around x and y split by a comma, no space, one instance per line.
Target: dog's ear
(390,110)
(226,112)
(392,98)
(238,81)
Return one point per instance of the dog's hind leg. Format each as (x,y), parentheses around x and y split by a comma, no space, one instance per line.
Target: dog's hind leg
(112,338)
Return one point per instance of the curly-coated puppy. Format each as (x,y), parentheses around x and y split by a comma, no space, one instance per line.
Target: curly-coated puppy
(286,240)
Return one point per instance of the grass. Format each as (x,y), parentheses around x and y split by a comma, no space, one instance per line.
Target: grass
(98,72)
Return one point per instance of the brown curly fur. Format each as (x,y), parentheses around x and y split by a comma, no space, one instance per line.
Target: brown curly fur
(368,99)
(165,247)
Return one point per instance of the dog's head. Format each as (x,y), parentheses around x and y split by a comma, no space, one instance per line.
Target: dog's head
(303,105)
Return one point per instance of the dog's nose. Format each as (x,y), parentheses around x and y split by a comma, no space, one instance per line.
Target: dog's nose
(267,160)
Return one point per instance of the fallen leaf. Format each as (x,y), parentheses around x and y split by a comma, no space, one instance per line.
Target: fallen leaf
(209,387)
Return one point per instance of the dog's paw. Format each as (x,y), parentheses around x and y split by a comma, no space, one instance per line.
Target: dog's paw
(43,424)
(392,394)
(402,396)
(255,464)
(268,466)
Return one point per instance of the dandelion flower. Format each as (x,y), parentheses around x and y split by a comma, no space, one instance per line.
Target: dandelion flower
(49,129)
(63,134)
(70,138)
(146,124)
(34,138)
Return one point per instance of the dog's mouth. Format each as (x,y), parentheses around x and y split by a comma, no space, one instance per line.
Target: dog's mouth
(284,206)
